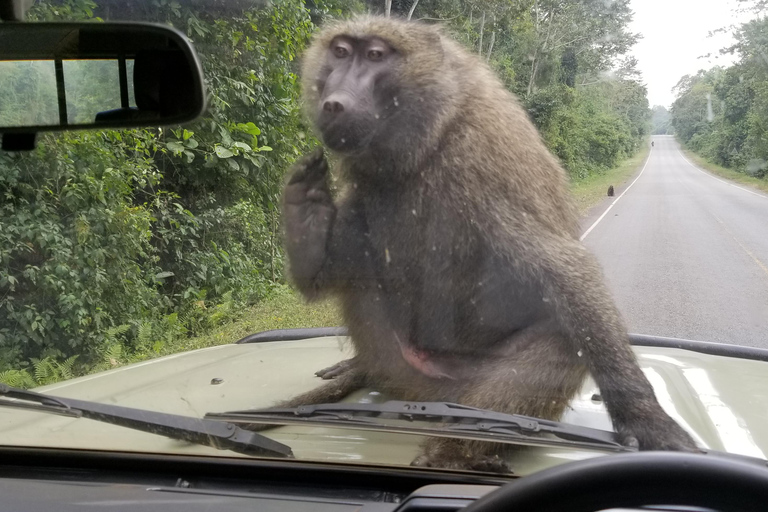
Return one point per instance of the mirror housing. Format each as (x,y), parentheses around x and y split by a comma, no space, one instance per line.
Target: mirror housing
(118,75)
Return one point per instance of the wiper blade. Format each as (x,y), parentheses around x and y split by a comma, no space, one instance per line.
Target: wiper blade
(448,419)
(207,432)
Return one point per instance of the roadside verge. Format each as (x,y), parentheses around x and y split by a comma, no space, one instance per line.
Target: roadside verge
(758,184)
(591,194)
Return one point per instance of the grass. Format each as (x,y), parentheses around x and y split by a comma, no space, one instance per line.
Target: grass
(282,310)
(590,191)
(285,309)
(730,174)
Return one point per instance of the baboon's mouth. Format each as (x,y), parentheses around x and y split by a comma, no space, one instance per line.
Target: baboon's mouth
(344,137)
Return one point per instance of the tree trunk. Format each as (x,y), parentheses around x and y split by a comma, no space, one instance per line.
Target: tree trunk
(413,8)
(387,7)
(272,245)
(490,46)
(544,47)
(534,67)
(482,27)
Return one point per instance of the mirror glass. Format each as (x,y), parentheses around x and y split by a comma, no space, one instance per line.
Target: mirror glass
(65,76)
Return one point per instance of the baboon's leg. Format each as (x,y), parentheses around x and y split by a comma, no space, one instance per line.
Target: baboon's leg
(331,391)
(538,381)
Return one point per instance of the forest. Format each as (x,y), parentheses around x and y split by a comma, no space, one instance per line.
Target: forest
(120,242)
(722,113)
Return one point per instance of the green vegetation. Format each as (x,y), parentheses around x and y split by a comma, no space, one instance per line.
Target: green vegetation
(722,113)
(591,190)
(285,309)
(142,235)
(116,246)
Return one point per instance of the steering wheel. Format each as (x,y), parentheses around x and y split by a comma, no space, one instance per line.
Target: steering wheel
(634,480)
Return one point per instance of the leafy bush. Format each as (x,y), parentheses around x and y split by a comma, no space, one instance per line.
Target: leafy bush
(154,232)
(584,131)
(722,113)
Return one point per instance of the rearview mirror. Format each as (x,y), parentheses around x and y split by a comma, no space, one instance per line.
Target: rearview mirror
(65,76)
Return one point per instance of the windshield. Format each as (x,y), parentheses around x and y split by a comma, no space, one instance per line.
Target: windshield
(487,195)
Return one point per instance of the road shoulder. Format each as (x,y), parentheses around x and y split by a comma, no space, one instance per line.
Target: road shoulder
(591,212)
(757,185)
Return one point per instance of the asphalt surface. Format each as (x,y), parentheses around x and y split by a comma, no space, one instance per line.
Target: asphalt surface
(685,253)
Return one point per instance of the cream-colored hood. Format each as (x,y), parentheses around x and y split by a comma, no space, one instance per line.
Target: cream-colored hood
(722,401)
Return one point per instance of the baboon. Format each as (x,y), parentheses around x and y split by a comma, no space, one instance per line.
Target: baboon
(610,190)
(453,246)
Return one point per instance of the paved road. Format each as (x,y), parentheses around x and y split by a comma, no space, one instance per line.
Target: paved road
(686,253)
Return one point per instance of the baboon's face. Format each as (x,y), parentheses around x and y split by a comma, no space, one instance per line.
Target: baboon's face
(357,91)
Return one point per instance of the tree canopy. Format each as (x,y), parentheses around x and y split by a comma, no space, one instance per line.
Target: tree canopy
(722,113)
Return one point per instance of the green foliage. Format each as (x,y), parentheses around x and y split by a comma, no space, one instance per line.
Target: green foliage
(18,379)
(48,370)
(156,233)
(591,129)
(566,61)
(71,244)
(44,371)
(28,93)
(722,114)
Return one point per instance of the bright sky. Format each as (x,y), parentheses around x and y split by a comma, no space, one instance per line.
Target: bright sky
(675,36)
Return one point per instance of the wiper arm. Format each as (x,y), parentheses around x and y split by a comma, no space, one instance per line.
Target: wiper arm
(207,432)
(453,419)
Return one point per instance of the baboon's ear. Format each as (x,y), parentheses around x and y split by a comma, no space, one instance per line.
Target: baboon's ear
(436,41)
(431,46)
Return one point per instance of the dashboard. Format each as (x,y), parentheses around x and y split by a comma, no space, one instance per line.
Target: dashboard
(58,480)
(42,480)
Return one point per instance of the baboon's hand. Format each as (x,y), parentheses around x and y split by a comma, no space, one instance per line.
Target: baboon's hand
(458,454)
(657,433)
(337,369)
(484,463)
(308,213)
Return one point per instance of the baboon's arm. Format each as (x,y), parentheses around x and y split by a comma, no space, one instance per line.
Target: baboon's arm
(327,246)
(584,311)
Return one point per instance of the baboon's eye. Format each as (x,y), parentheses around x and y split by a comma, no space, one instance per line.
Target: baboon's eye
(375,54)
(340,51)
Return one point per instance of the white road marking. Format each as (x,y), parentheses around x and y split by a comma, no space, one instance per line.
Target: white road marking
(718,179)
(617,199)
(732,430)
(664,398)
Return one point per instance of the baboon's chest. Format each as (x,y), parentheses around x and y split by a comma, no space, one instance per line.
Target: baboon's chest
(402,233)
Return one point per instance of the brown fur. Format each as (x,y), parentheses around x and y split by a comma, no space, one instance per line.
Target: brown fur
(457,236)
(438,67)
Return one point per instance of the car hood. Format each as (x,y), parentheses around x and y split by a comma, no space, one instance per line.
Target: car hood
(721,401)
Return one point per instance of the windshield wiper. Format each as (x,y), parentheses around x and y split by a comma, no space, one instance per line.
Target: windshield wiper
(446,419)
(207,432)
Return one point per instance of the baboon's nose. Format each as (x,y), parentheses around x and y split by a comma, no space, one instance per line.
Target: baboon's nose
(333,106)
